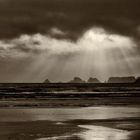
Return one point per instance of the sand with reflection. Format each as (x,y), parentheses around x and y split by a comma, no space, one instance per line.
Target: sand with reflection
(92,123)
(103,133)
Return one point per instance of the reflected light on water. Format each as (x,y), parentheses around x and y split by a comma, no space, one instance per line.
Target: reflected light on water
(103,133)
(64,114)
(95,133)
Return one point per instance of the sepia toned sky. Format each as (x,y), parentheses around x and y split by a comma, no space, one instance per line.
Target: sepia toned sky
(60,39)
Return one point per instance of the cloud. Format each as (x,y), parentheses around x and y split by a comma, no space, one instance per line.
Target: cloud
(60,39)
(72,18)
(97,53)
(95,39)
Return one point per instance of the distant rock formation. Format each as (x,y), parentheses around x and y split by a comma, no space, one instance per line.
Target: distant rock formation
(47,81)
(93,80)
(130,79)
(77,80)
(138,80)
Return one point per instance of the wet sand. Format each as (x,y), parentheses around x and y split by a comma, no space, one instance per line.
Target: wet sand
(61,111)
(48,130)
(90,123)
(33,130)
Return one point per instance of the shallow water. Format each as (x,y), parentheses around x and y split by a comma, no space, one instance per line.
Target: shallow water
(63,116)
(104,133)
(95,133)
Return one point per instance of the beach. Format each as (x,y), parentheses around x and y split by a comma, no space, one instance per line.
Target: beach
(84,123)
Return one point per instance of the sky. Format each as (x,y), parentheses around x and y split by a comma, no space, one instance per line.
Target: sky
(61,39)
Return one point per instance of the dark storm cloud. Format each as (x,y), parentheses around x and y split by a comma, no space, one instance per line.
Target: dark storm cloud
(73,17)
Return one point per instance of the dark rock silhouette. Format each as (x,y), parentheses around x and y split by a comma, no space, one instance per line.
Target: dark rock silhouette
(138,80)
(130,79)
(93,80)
(77,80)
(47,81)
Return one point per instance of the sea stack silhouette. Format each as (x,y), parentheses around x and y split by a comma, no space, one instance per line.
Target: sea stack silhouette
(138,80)
(93,80)
(130,79)
(77,80)
(47,81)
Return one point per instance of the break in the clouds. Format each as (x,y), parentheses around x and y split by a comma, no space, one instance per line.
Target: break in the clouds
(33,58)
(60,39)
(95,39)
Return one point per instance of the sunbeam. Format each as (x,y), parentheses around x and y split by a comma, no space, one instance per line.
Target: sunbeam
(96,54)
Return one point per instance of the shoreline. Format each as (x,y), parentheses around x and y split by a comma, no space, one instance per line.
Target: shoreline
(65,123)
(40,130)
